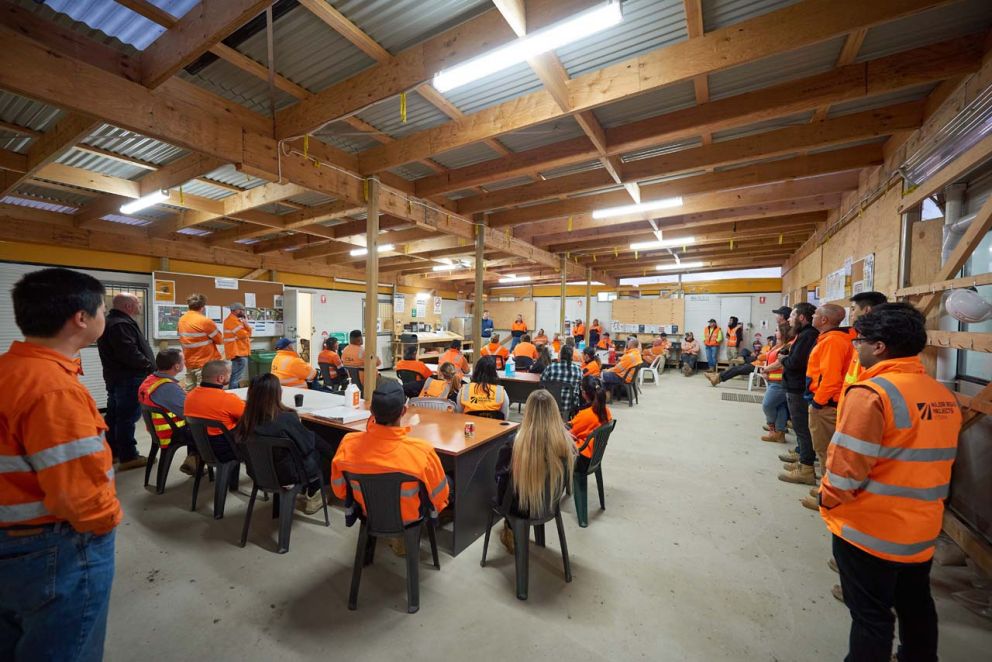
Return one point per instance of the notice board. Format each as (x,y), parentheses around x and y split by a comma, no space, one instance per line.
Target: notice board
(504,313)
(659,311)
(262,299)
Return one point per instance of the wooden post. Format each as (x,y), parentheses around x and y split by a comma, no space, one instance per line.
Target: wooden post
(371,288)
(564,286)
(480,268)
(588,303)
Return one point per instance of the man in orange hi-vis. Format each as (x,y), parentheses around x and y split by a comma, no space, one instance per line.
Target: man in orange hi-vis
(237,342)
(888,473)
(58,502)
(199,337)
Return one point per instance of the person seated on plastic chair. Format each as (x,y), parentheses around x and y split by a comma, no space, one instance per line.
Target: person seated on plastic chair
(445,385)
(484,393)
(623,371)
(592,414)
(386,447)
(751,363)
(265,415)
(292,370)
(413,364)
(335,367)
(591,366)
(210,400)
(496,349)
(541,435)
(162,389)
(690,354)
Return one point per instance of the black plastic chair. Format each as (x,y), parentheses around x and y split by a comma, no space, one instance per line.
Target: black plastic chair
(521,535)
(522,363)
(381,494)
(408,376)
(580,479)
(178,441)
(227,473)
(630,387)
(353,375)
(259,453)
(335,385)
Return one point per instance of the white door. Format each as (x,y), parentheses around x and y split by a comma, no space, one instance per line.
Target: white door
(304,324)
(739,307)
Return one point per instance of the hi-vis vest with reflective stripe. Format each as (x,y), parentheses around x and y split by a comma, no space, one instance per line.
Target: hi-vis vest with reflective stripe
(435,388)
(162,428)
(473,398)
(713,336)
(234,346)
(774,375)
(897,511)
(282,367)
(199,337)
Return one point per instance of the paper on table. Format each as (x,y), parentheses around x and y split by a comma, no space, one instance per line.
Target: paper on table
(343,414)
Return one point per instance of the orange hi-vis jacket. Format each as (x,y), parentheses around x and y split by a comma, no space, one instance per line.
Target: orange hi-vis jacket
(422,369)
(237,337)
(162,428)
(540,340)
(518,329)
(495,349)
(473,397)
(332,360)
(713,336)
(630,358)
(384,449)
(604,343)
(291,369)
(556,345)
(889,462)
(774,375)
(580,330)
(827,363)
(435,388)
(525,349)
(55,465)
(200,338)
(732,339)
(454,357)
(852,376)
(592,368)
(212,402)
(584,423)
(353,356)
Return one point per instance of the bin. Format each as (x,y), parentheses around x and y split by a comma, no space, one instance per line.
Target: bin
(260,363)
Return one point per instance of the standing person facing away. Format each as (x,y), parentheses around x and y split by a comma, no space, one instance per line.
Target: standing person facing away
(237,342)
(888,473)
(199,337)
(127,360)
(58,502)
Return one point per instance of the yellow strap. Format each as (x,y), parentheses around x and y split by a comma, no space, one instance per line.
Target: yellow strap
(403,107)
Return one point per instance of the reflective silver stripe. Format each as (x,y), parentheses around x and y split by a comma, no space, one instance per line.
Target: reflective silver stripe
(885,546)
(872,449)
(110,473)
(844,483)
(355,487)
(900,412)
(23,511)
(920,493)
(437,490)
(191,345)
(195,334)
(410,491)
(338,481)
(12,464)
(215,332)
(65,452)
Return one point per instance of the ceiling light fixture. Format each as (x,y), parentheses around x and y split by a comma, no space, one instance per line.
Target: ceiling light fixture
(145,202)
(677,265)
(665,243)
(568,31)
(513,278)
(666,203)
(383,248)
(446,267)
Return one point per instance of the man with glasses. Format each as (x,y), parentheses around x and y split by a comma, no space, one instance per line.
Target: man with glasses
(888,472)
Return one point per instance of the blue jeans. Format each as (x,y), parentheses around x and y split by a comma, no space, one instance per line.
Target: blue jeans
(514,342)
(238,365)
(123,411)
(54,593)
(775,406)
(711,352)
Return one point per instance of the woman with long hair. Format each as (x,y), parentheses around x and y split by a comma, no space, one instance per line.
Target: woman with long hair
(591,366)
(774,403)
(448,379)
(543,359)
(592,413)
(484,393)
(541,456)
(266,415)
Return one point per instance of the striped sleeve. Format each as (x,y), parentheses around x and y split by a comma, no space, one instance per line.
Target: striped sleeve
(850,456)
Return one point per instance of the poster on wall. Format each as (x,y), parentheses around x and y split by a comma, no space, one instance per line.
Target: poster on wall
(836,285)
(399,303)
(165,291)
(863,274)
(167,319)
(437,305)
(226,283)
(277,301)
(421,310)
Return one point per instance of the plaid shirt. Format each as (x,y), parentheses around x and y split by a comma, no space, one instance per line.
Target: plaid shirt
(569,375)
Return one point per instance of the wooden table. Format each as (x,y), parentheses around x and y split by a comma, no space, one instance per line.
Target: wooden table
(520,385)
(469,462)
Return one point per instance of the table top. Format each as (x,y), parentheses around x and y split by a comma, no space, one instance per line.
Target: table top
(526,377)
(444,430)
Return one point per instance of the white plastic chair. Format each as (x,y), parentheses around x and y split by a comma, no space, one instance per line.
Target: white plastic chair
(653,370)
(756,377)
(438,404)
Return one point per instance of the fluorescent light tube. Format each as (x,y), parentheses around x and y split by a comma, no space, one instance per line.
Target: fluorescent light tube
(665,243)
(684,265)
(423,296)
(446,267)
(610,212)
(514,279)
(364,251)
(565,32)
(145,202)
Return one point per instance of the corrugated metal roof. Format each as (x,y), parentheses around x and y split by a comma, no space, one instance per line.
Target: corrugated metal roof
(57,196)
(721,13)
(346,137)
(659,150)
(27,113)
(572,169)
(808,61)
(466,156)
(117,21)
(420,115)
(940,24)
(203,190)
(856,143)
(311,199)
(412,171)
(507,183)
(226,80)
(670,178)
(127,220)
(100,164)
(195,231)
(647,25)
(464,193)
(399,24)
(762,127)
(492,90)
(881,100)
(228,174)
(560,129)
(307,51)
(135,145)
(657,102)
(37,204)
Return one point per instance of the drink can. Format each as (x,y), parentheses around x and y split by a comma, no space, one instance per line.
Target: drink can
(469,429)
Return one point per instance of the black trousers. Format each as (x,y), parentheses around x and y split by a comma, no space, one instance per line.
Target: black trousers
(736,371)
(873,587)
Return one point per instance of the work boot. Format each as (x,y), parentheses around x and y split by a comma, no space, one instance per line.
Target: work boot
(832,564)
(714,378)
(803,475)
(775,437)
(398,545)
(813,503)
(837,592)
(310,504)
(790,466)
(506,537)
(137,463)
(768,428)
(814,491)
(791,456)
(188,466)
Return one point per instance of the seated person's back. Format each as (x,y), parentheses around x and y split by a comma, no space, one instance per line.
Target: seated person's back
(484,393)
(413,364)
(209,400)
(162,390)
(289,367)
(525,348)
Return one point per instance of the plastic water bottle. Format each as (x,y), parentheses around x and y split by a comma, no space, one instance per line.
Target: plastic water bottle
(511,367)
(352,396)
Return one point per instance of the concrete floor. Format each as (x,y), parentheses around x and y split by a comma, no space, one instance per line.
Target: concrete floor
(701,555)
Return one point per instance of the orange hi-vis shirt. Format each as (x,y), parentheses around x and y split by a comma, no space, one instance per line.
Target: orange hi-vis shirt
(55,464)
(332,360)
(291,369)
(200,339)
(422,369)
(384,449)
(630,358)
(592,368)
(237,337)
(828,364)
(732,339)
(889,462)
(499,351)
(774,375)
(212,402)
(353,356)
(556,345)
(473,397)
(525,349)
(851,376)
(604,343)
(540,340)
(584,423)
(454,357)
(435,388)
(518,329)
(580,330)
(713,336)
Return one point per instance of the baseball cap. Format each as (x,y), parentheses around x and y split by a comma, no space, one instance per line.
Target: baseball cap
(283,343)
(784,311)
(388,401)
(236,306)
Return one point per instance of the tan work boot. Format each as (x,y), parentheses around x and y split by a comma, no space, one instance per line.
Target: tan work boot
(774,437)
(790,466)
(837,592)
(814,491)
(137,463)
(398,545)
(506,537)
(310,504)
(714,378)
(790,456)
(803,475)
(188,466)
(832,564)
(813,503)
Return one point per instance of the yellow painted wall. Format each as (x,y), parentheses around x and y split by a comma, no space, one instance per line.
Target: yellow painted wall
(730,286)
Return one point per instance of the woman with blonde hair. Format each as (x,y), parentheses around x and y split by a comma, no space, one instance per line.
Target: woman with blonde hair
(447,382)
(541,456)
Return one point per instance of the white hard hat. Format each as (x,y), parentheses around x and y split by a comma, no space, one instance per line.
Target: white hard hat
(968,306)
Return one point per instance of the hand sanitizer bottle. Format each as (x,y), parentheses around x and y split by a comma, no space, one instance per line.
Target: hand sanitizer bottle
(511,367)
(352,396)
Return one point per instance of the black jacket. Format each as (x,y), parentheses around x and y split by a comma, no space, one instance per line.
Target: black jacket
(794,365)
(124,352)
(288,424)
